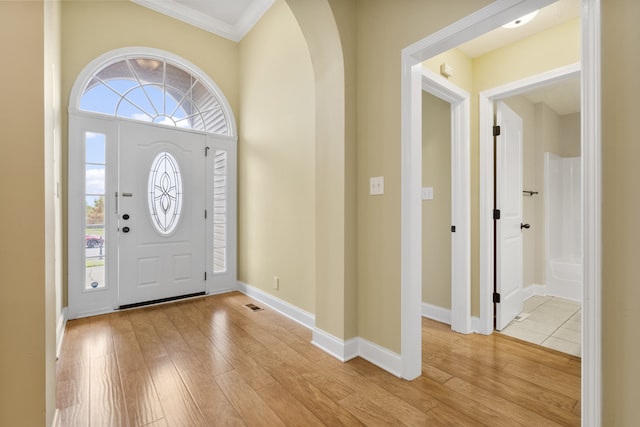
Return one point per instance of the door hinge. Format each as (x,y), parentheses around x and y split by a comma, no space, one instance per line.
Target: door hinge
(496,214)
(206,151)
(205,214)
(496,298)
(205,275)
(496,130)
(453,228)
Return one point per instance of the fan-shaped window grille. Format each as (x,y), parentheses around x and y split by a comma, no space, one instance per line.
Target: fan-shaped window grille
(154,90)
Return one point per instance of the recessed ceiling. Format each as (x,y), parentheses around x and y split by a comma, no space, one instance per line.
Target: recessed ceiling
(564,96)
(548,17)
(231,19)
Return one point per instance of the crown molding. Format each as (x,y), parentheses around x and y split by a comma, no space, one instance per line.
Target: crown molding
(209,23)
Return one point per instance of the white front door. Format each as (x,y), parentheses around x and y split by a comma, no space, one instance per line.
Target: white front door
(161,213)
(509,271)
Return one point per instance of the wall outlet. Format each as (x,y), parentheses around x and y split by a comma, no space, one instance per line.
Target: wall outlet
(276,282)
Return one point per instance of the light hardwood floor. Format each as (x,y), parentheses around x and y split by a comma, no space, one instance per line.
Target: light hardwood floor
(212,362)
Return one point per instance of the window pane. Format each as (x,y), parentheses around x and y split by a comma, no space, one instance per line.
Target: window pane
(153,90)
(94,179)
(130,111)
(100,99)
(95,146)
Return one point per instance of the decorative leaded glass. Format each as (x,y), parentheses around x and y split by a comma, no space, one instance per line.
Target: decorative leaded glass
(165,193)
(157,91)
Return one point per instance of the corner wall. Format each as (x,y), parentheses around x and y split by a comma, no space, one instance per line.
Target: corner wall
(620,208)
(27,305)
(277,160)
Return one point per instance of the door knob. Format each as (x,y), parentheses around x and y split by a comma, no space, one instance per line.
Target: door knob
(527,226)
(125,229)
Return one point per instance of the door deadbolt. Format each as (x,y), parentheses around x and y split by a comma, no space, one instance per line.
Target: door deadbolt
(125,216)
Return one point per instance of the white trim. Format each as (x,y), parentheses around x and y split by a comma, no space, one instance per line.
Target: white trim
(336,347)
(341,350)
(60,329)
(485,19)
(475,324)
(381,357)
(486,110)
(127,52)
(436,313)
(488,18)
(234,32)
(592,211)
(532,290)
(460,319)
(291,311)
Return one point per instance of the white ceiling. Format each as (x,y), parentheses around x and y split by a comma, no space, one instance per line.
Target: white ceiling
(548,17)
(562,97)
(231,19)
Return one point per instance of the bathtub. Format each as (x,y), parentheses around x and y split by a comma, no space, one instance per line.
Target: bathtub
(563,227)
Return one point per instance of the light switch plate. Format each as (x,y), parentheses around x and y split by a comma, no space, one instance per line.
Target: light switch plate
(427,193)
(376,185)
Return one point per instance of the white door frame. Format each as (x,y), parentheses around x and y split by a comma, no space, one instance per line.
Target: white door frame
(488,18)
(486,112)
(441,88)
(83,303)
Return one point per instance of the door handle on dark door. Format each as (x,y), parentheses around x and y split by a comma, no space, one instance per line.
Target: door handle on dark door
(125,229)
(527,226)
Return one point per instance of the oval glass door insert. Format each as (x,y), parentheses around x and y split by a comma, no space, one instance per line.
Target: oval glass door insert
(165,193)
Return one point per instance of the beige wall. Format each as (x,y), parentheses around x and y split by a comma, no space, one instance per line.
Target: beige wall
(570,135)
(620,208)
(384,29)
(436,213)
(276,160)
(27,272)
(462,67)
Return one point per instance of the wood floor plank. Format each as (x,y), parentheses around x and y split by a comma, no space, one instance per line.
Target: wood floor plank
(142,401)
(522,392)
(211,401)
(502,407)
(243,397)
(177,403)
(150,343)
(210,361)
(107,404)
(287,407)
(367,412)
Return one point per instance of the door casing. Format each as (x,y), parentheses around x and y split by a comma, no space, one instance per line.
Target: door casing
(478,23)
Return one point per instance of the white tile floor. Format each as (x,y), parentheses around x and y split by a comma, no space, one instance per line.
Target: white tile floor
(551,322)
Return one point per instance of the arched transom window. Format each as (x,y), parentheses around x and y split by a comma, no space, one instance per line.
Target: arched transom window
(154,90)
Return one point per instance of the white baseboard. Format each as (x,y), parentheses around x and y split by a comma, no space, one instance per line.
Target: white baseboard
(291,311)
(434,312)
(444,315)
(475,324)
(381,357)
(60,328)
(531,290)
(336,347)
(340,349)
